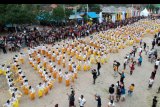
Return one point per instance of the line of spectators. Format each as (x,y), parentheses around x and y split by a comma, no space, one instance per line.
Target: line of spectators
(33,36)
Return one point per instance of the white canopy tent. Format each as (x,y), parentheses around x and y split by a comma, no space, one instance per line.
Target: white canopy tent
(75,17)
(144,12)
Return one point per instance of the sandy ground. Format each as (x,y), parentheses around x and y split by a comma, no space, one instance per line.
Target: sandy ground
(83,85)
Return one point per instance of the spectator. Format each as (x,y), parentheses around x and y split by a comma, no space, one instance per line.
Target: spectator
(81,101)
(98,99)
(94,73)
(154,104)
(111,92)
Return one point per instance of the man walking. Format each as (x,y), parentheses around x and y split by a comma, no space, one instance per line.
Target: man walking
(81,101)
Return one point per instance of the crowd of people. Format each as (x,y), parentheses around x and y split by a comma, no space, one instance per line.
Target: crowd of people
(33,36)
(83,52)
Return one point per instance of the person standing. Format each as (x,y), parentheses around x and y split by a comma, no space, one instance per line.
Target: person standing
(111,92)
(158,90)
(140,60)
(115,68)
(144,46)
(118,93)
(153,44)
(94,73)
(150,83)
(131,88)
(123,93)
(153,74)
(71,99)
(132,68)
(118,64)
(125,63)
(122,77)
(98,99)
(154,104)
(98,67)
(81,101)
(157,64)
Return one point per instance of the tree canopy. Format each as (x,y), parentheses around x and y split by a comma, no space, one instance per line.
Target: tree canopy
(18,13)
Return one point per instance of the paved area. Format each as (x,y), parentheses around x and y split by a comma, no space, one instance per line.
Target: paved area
(83,85)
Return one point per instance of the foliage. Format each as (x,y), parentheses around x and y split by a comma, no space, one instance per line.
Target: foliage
(18,13)
(94,8)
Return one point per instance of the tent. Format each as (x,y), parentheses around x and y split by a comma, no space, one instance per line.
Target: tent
(144,12)
(93,15)
(75,17)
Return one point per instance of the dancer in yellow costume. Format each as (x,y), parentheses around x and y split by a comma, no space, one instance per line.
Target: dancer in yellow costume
(60,76)
(44,62)
(79,66)
(53,56)
(40,90)
(46,88)
(63,62)
(21,58)
(2,69)
(85,66)
(58,59)
(32,93)
(67,76)
(70,65)
(54,71)
(25,87)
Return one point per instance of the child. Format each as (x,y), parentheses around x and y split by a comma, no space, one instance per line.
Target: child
(131,88)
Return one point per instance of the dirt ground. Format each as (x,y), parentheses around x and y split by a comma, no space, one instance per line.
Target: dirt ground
(142,97)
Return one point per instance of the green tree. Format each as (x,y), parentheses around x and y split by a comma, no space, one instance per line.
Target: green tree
(58,13)
(94,8)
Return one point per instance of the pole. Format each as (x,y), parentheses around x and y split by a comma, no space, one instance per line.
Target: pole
(87,12)
(64,12)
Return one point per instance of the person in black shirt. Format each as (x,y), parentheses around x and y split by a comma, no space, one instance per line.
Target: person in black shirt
(153,44)
(94,73)
(153,74)
(98,99)
(111,92)
(98,67)
(71,99)
(154,104)
(144,45)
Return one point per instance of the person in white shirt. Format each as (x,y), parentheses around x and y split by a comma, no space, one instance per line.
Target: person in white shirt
(111,104)
(157,64)
(150,83)
(81,101)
